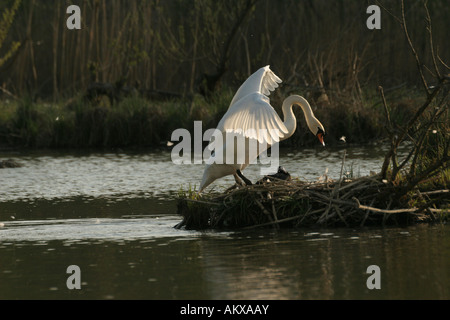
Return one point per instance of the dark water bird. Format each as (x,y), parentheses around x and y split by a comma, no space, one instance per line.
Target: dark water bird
(281,174)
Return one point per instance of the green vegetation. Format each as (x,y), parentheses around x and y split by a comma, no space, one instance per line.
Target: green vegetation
(138,122)
(133,122)
(164,64)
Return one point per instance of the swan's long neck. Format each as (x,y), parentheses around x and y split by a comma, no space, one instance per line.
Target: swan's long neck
(289,118)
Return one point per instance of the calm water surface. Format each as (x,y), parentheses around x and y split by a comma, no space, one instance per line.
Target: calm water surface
(113,216)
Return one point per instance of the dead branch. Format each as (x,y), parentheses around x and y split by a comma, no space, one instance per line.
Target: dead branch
(413,50)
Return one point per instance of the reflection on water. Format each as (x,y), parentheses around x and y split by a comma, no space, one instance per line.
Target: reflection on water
(113,216)
(173,264)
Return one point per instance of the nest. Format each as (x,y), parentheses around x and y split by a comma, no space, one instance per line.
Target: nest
(279,203)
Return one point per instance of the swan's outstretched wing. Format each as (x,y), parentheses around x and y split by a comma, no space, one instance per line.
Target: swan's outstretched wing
(255,118)
(262,81)
(250,112)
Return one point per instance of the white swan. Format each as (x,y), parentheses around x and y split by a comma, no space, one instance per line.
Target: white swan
(249,112)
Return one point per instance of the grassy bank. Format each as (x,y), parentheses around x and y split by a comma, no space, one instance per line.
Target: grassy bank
(133,122)
(138,122)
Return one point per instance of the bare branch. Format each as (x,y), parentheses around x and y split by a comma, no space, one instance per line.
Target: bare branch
(433,56)
(440,60)
(419,64)
(389,12)
(386,111)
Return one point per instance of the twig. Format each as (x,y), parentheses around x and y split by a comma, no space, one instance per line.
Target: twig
(262,208)
(413,50)
(386,110)
(441,61)
(367,214)
(390,13)
(361,180)
(336,208)
(273,222)
(433,56)
(435,192)
(360,206)
(8,93)
(274,212)
(348,203)
(204,202)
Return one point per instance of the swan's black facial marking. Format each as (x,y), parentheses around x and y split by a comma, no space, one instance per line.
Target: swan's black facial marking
(320,135)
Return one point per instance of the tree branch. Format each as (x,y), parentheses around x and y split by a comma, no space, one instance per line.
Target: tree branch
(419,64)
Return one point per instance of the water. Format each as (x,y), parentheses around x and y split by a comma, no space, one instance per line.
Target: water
(113,216)
(61,175)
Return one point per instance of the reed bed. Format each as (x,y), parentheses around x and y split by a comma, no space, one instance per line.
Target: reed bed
(364,201)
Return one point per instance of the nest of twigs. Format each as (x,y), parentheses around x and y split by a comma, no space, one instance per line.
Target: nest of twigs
(278,203)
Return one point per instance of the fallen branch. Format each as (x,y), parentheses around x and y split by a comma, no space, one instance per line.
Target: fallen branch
(360,206)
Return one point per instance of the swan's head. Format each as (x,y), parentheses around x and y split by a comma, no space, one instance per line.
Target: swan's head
(320,135)
(317,129)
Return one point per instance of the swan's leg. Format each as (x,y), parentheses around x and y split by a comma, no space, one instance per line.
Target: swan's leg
(238,180)
(247,182)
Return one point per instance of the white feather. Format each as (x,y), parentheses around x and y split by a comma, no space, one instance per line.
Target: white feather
(251,115)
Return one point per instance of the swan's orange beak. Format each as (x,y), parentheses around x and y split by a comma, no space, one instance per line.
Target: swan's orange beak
(320,137)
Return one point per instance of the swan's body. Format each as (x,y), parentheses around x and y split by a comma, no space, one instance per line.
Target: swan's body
(250,110)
